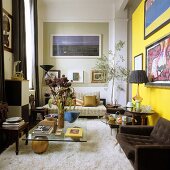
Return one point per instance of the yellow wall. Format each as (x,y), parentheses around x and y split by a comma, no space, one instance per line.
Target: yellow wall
(158,98)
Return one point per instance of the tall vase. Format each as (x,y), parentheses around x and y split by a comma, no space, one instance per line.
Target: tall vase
(61,119)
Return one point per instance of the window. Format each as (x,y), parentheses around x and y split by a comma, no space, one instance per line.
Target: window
(29,43)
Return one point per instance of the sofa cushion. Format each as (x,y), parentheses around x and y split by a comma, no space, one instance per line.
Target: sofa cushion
(81,95)
(161,131)
(89,101)
(128,143)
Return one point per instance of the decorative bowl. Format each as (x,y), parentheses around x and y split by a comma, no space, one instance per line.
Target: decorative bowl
(51,117)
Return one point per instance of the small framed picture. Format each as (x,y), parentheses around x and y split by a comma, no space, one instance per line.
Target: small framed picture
(54,73)
(138,62)
(76,76)
(98,76)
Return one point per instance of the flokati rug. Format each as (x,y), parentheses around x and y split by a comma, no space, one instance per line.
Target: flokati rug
(100,152)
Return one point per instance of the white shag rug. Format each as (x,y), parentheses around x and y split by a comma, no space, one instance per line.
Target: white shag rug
(100,152)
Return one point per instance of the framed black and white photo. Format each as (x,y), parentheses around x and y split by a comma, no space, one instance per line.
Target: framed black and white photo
(138,62)
(75,46)
(54,73)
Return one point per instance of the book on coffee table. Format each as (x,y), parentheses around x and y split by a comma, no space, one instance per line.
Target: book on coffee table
(43,130)
(74,132)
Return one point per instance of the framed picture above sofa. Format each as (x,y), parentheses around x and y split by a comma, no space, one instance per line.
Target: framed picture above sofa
(76,46)
(158,62)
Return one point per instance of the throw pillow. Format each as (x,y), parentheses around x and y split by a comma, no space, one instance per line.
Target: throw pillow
(79,102)
(80,95)
(89,101)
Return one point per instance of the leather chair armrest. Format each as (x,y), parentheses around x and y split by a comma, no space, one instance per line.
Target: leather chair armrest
(152,157)
(136,129)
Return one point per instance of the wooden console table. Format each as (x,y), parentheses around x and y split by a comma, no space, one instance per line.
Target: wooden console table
(143,115)
(15,132)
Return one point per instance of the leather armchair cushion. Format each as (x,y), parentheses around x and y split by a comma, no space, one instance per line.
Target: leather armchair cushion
(161,131)
(129,142)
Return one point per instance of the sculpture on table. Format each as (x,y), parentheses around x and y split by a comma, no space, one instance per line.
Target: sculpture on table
(17,75)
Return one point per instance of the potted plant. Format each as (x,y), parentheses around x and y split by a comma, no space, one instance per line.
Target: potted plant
(111,64)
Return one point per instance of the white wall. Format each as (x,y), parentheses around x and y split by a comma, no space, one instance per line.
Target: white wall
(78,10)
(8,56)
(94,11)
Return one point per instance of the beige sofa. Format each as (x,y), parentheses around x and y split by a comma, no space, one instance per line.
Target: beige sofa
(98,110)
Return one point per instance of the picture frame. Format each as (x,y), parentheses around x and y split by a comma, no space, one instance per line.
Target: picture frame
(76,76)
(54,73)
(158,62)
(7,31)
(138,62)
(98,76)
(75,46)
(154,21)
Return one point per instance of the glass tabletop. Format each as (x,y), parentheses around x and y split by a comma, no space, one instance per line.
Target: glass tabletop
(125,120)
(59,135)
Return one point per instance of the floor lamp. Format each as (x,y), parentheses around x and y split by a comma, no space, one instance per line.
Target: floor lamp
(46,68)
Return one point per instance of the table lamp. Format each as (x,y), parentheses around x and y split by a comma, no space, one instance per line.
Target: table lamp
(138,77)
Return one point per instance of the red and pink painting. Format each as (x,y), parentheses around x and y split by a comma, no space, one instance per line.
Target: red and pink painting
(158,60)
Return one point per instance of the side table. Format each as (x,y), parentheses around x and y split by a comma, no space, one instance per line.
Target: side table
(113,110)
(16,131)
(143,115)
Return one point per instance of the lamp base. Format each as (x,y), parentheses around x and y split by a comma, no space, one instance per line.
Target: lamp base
(137,98)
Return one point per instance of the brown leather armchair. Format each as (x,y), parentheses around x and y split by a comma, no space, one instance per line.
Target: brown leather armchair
(147,147)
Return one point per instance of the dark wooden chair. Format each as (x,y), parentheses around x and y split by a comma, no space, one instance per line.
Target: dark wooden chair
(34,110)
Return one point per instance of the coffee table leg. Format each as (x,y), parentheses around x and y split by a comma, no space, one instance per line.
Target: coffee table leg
(117,130)
(17,144)
(26,134)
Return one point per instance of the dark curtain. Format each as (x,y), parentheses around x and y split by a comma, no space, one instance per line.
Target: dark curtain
(18,36)
(2,82)
(33,4)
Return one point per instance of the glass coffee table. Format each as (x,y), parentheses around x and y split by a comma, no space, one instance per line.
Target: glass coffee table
(38,139)
(82,123)
(115,124)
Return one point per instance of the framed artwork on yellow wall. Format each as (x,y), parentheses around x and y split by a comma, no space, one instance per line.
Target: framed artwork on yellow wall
(158,62)
(156,15)
(138,62)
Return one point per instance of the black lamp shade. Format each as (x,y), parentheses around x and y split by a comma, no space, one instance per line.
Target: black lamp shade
(46,67)
(138,76)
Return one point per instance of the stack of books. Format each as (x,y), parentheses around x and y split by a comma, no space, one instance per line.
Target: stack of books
(42,130)
(13,122)
(75,132)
